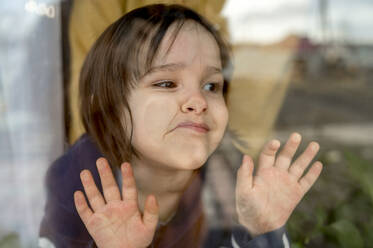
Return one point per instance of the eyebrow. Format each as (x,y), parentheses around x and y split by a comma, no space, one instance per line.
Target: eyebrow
(172,67)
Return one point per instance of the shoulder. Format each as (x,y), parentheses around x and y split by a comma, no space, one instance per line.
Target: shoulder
(61,223)
(63,176)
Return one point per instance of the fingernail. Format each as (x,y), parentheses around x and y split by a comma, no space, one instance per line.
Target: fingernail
(314,146)
(125,168)
(84,175)
(247,160)
(296,137)
(100,164)
(78,197)
(275,144)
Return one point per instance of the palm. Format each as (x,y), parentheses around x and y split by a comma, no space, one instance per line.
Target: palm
(266,200)
(116,222)
(265,193)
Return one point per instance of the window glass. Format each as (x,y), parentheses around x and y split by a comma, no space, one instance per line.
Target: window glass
(296,66)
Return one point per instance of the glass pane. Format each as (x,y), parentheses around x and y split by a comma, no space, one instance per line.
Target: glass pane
(31,122)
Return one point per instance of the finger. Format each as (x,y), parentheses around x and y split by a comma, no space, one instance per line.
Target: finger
(93,194)
(82,207)
(109,185)
(151,212)
(129,185)
(310,178)
(267,156)
(302,162)
(285,157)
(245,173)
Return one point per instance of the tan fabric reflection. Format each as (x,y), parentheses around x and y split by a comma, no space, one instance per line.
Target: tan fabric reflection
(260,80)
(88,20)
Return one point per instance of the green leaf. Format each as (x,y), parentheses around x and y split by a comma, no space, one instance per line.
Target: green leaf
(10,240)
(346,233)
(362,171)
(297,245)
(321,216)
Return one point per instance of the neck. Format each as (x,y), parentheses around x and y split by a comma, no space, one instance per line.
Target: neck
(166,184)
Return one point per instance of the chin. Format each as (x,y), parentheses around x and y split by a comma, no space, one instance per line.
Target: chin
(190,157)
(190,162)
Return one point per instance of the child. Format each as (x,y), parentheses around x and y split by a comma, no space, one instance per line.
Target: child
(153,91)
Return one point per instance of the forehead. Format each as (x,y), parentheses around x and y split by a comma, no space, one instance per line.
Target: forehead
(188,45)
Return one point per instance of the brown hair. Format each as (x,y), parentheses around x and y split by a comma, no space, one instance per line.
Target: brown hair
(113,66)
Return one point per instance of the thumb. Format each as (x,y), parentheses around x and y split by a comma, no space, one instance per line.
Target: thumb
(245,173)
(151,213)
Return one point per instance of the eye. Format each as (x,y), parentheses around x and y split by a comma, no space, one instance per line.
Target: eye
(213,87)
(165,84)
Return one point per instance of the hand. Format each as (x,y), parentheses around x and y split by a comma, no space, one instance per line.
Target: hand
(264,201)
(114,221)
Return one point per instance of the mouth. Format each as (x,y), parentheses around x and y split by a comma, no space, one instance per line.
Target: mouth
(198,127)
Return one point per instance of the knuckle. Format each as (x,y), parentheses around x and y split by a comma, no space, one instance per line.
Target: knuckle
(130,194)
(286,153)
(296,169)
(303,160)
(129,182)
(95,199)
(91,191)
(308,179)
(314,146)
(267,153)
(112,190)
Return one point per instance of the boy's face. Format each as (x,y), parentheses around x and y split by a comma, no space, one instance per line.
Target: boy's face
(184,85)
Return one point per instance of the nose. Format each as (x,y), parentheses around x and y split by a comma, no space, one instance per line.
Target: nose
(195,103)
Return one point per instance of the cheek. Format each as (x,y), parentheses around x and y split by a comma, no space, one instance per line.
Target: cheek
(153,117)
(221,120)
(221,116)
(226,116)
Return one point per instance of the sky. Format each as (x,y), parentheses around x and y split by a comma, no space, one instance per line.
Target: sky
(269,21)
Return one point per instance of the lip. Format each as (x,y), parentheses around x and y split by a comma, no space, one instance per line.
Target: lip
(199,127)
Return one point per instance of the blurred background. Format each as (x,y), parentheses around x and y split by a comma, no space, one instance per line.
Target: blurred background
(299,65)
